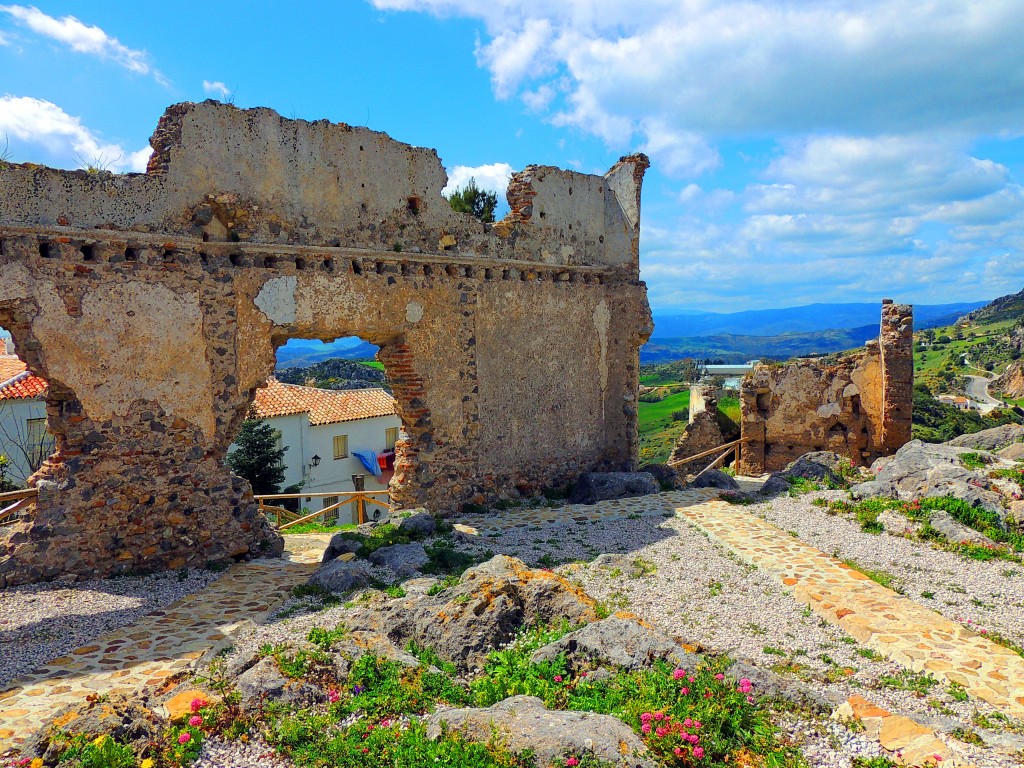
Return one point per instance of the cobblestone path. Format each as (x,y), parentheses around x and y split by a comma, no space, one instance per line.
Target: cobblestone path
(892,624)
(143,655)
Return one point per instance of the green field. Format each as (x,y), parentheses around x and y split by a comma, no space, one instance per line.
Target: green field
(373,364)
(659,431)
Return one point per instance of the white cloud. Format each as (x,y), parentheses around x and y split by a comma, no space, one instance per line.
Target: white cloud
(493,178)
(4,39)
(35,121)
(82,38)
(216,88)
(737,66)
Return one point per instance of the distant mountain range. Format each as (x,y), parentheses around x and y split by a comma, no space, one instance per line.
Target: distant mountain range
(780,333)
(812,317)
(733,337)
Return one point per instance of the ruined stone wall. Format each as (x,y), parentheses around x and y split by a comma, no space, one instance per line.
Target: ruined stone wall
(154,304)
(859,406)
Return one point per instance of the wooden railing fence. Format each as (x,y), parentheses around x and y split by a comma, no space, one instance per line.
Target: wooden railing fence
(13,502)
(357,500)
(727,448)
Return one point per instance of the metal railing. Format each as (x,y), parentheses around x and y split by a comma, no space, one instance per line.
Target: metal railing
(13,502)
(358,500)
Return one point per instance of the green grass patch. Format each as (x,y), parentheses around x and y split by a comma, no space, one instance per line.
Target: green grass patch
(883,578)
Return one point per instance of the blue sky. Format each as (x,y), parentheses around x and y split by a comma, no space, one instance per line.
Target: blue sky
(802,151)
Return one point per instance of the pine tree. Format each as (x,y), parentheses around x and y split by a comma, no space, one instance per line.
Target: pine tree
(257,457)
(472,199)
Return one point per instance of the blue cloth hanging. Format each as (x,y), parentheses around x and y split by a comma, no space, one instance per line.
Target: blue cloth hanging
(369,460)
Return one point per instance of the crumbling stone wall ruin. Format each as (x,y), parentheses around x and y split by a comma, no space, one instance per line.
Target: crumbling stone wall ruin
(153,304)
(859,407)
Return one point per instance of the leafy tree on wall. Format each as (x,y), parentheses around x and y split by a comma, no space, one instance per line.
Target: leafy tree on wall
(258,458)
(472,199)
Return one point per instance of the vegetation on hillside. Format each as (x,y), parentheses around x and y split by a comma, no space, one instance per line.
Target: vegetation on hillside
(943,356)
(936,422)
(337,373)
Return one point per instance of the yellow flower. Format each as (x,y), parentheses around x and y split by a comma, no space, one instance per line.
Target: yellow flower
(147,763)
(37,763)
(100,739)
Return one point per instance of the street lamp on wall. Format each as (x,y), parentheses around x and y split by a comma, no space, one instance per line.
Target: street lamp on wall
(315,461)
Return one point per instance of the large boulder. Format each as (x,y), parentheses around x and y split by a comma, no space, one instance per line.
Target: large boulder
(822,467)
(1012,452)
(341,544)
(924,470)
(593,487)
(990,439)
(404,560)
(415,523)
(265,681)
(668,479)
(957,532)
(618,641)
(523,723)
(342,575)
(485,610)
(715,478)
(121,717)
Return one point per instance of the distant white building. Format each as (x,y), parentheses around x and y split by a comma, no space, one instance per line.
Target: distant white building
(957,401)
(324,430)
(23,436)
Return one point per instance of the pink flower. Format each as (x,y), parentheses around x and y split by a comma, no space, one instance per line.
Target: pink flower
(333,696)
(195,721)
(197,704)
(708,694)
(750,699)
(558,679)
(678,751)
(645,727)
(660,732)
(659,715)
(693,738)
(646,717)
(719,676)
(185,738)
(937,758)
(679,674)
(698,752)
(692,679)
(684,691)
(571,762)
(687,723)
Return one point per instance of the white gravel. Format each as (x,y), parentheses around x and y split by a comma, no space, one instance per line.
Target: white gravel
(40,622)
(219,753)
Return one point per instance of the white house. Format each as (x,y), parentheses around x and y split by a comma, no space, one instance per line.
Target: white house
(323,431)
(23,436)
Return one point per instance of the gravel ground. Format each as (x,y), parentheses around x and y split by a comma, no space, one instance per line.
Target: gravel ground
(218,753)
(671,575)
(40,622)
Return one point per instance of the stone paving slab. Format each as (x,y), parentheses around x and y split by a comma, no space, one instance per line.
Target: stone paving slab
(140,657)
(892,624)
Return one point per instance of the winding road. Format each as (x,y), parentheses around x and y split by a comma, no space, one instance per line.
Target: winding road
(977,390)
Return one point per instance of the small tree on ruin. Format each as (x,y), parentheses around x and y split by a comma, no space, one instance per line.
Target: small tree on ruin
(258,458)
(472,199)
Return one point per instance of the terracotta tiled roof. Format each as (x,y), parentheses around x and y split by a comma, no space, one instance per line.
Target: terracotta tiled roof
(324,406)
(10,366)
(24,386)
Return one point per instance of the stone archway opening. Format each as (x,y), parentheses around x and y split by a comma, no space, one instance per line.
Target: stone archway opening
(26,441)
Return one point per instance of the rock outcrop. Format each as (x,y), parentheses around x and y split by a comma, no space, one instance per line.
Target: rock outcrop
(593,487)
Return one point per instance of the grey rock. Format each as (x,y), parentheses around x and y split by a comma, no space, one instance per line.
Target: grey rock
(488,607)
(819,466)
(405,560)
(1012,452)
(524,723)
(593,487)
(341,544)
(241,662)
(416,523)
(341,575)
(957,532)
(666,477)
(265,681)
(772,686)
(924,470)
(120,716)
(715,478)
(990,439)
(617,642)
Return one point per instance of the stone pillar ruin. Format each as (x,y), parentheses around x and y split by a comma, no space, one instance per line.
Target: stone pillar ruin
(154,303)
(858,405)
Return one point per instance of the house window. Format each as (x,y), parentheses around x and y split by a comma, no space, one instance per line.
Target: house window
(35,433)
(340,446)
(390,438)
(329,501)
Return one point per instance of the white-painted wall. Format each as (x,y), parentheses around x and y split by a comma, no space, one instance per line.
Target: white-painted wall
(304,441)
(13,415)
